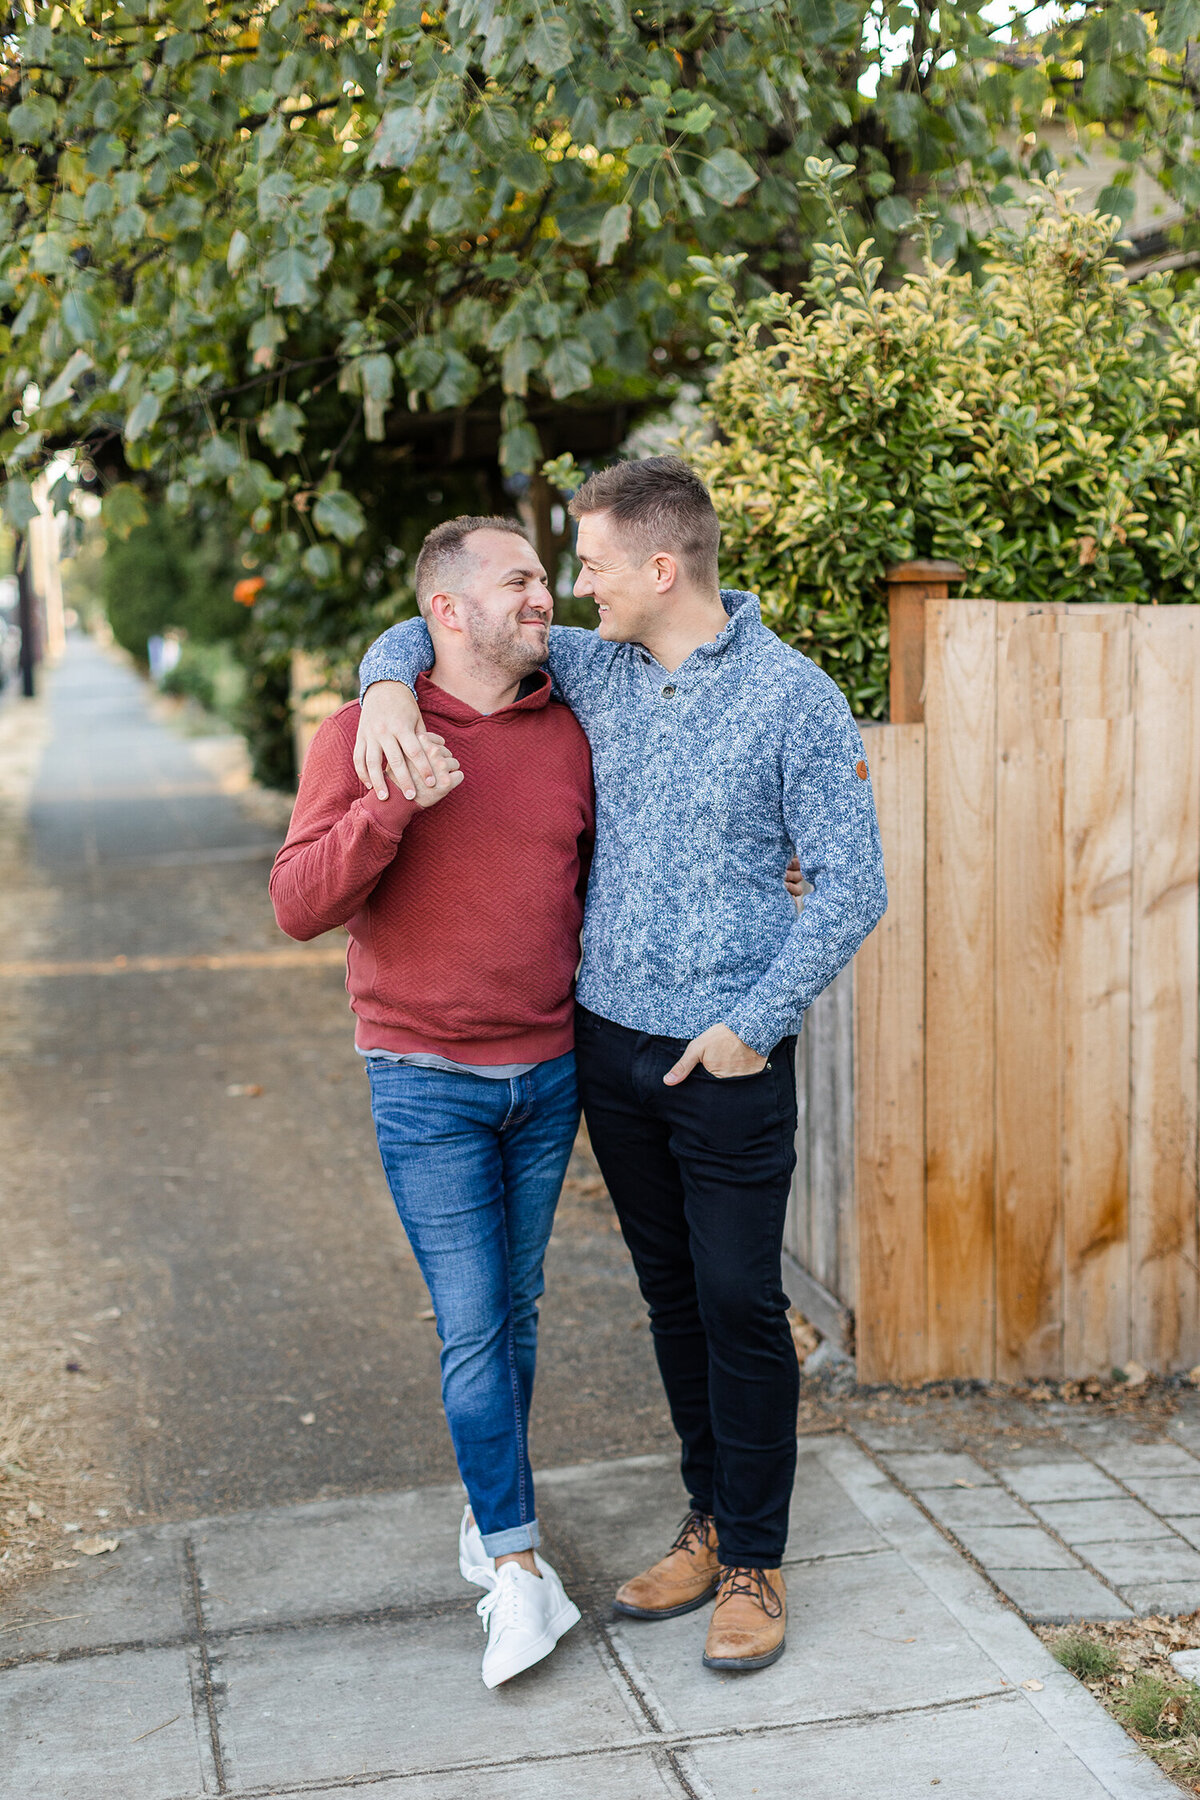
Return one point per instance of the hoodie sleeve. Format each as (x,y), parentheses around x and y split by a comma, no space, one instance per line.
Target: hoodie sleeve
(341,838)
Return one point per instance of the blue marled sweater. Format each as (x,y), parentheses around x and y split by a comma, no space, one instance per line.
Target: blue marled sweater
(707,778)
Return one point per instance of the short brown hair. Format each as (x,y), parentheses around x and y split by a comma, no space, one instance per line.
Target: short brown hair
(444,551)
(663,505)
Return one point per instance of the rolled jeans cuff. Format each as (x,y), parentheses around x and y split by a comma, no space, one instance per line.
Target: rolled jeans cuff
(518,1537)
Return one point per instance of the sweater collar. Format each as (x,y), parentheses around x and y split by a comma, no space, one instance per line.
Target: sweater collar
(436,703)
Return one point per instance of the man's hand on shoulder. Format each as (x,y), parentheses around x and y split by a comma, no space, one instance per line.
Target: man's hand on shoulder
(447,774)
(721,1052)
(390,733)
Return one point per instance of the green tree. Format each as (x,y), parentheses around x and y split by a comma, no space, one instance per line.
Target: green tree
(1040,426)
(348,266)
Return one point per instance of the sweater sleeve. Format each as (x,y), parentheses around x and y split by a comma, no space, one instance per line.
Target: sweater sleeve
(339,842)
(830,815)
(576,661)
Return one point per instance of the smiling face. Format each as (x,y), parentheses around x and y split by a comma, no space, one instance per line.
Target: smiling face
(500,603)
(627,586)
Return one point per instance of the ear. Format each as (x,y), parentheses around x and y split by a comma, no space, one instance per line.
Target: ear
(444,608)
(664,571)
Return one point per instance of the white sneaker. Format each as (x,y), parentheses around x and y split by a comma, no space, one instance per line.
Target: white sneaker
(474,1563)
(524,1617)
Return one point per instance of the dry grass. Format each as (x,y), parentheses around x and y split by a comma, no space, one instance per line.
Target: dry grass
(1124,1663)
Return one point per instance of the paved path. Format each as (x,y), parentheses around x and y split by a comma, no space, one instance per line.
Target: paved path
(247,1239)
(332,1650)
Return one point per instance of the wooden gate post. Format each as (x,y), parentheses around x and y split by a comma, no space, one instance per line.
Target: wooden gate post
(910,585)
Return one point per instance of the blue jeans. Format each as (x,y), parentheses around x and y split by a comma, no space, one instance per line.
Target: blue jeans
(475,1167)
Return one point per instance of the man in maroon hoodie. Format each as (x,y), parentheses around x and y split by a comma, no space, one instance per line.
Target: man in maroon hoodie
(464,907)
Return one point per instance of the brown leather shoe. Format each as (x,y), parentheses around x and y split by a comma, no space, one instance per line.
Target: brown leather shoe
(748,1622)
(681,1581)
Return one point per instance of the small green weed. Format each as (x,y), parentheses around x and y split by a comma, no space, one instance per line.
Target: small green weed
(1084,1656)
(1160,1709)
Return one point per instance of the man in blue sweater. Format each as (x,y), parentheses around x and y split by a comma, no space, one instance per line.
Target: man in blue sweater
(718,751)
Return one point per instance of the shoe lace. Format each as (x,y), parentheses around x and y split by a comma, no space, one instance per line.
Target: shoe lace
(754,1585)
(693,1532)
(502,1599)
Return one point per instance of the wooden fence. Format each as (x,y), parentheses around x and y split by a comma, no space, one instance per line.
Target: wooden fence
(1000,1178)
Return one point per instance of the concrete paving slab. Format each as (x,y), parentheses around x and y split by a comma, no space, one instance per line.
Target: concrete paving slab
(331,1557)
(316,1705)
(957,1507)
(1058,1479)
(1093,1521)
(614,1775)
(134,1595)
(864,1634)
(937,1469)
(1186,1663)
(623,1515)
(1125,1459)
(1172,1598)
(1177,1495)
(1056,1596)
(1188,1528)
(1148,1559)
(1003,1547)
(75,1731)
(979,1752)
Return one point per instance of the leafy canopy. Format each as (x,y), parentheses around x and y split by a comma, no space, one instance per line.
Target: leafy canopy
(1041,428)
(313,257)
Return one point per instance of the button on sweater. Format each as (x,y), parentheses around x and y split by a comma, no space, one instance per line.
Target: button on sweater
(708,776)
(464,917)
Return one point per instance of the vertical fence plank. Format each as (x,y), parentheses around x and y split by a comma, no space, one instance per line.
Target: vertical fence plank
(960,751)
(889,1077)
(1098,849)
(842,993)
(1163,1101)
(1029,874)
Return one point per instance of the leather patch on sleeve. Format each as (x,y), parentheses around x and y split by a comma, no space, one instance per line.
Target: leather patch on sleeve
(860,769)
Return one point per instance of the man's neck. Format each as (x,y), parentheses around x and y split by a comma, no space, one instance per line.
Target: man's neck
(695,621)
(486,690)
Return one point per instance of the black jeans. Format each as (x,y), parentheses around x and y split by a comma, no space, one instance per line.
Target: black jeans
(699,1175)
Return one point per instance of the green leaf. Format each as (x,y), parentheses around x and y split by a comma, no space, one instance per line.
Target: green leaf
(80,316)
(239,243)
(1179,21)
(123,509)
(32,119)
(649,214)
(1119,200)
(365,205)
(699,119)
(568,368)
(894,213)
(1103,90)
(281,428)
(726,176)
(19,505)
(143,418)
(398,138)
(446,213)
(520,448)
(320,562)
(64,381)
(292,273)
(339,515)
(613,231)
(550,46)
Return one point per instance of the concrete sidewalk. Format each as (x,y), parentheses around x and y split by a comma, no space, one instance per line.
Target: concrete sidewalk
(329,1648)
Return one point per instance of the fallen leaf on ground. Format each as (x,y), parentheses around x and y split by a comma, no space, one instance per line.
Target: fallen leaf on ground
(961,1481)
(244,1090)
(62,1562)
(427,1314)
(1033,1686)
(1134,1374)
(96,1546)
(34,1510)
(308,1418)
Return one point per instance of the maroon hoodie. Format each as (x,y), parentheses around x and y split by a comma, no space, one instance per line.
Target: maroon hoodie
(464,917)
